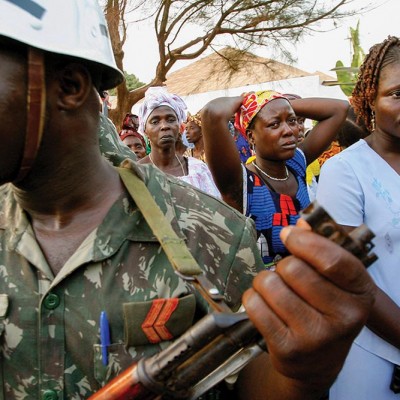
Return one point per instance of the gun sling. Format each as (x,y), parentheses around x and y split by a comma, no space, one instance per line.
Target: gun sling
(175,248)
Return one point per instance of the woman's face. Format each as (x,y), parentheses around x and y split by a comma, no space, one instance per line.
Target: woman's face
(275,131)
(193,132)
(302,129)
(136,145)
(162,127)
(387,101)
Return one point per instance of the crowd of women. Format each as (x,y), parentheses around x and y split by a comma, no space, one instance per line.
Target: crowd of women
(252,152)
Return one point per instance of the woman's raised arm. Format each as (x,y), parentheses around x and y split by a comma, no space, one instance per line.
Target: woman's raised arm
(221,153)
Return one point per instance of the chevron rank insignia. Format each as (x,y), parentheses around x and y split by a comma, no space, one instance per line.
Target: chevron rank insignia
(157,320)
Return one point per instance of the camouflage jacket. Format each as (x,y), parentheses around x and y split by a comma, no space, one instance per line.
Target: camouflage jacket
(49,325)
(111,147)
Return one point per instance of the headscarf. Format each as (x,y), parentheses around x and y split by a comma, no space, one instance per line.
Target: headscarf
(128,122)
(252,103)
(129,132)
(158,96)
(196,118)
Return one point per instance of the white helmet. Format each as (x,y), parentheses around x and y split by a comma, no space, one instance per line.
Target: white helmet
(70,27)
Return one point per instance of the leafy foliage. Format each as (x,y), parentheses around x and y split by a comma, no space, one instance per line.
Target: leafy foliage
(131,82)
(347,76)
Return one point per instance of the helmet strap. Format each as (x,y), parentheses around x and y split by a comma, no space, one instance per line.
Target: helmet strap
(36,101)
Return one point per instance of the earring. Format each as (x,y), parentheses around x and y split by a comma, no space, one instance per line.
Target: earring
(253,149)
(372,121)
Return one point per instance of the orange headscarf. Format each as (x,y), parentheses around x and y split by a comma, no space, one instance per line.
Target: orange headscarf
(252,103)
(196,118)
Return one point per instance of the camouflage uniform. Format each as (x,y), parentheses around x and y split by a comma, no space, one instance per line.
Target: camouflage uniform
(50,325)
(111,147)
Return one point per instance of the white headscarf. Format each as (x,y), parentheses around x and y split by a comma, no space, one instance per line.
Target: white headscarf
(159,96)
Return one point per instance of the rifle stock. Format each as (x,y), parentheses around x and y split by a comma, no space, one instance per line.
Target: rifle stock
(125,386)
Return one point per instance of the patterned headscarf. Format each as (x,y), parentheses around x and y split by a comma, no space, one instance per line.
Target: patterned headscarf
(158,96)
(252,103)
(196,118)
(129,132)
(130,121)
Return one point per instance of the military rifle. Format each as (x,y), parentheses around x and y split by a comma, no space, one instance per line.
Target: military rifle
(220,344)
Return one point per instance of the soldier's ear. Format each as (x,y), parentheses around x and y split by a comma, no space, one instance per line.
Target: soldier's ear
(74,86)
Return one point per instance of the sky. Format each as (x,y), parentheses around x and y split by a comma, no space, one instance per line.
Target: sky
(318,52)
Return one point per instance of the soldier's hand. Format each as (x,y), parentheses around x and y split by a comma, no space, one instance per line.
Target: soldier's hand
(311,308)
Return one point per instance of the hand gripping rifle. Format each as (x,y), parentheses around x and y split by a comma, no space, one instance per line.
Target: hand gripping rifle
(220,344)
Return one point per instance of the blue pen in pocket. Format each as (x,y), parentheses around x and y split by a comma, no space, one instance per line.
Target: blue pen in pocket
(104,337)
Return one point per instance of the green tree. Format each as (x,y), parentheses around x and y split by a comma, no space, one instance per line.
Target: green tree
(347,76)
(131,81)
(248,23)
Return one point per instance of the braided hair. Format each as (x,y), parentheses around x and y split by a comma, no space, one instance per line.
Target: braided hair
(380,55)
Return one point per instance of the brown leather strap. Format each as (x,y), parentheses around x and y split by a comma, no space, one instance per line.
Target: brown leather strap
(36,99)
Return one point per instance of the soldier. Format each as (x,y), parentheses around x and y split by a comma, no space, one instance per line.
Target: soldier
(74,246)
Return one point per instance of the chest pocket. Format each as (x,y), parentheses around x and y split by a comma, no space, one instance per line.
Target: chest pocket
(159,320)
(3,314)
(149,326)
